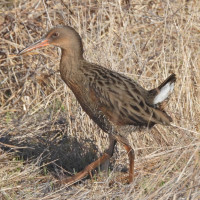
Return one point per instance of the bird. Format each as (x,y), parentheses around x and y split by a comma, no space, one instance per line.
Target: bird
(116,103)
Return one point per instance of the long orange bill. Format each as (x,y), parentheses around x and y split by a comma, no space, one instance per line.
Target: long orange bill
(40,43)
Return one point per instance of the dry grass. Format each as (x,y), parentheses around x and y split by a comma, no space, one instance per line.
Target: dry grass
(43,131)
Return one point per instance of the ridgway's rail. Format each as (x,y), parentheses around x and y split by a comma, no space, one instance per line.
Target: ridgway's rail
(116,103)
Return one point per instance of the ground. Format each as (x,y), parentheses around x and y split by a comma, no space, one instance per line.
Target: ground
(45,135)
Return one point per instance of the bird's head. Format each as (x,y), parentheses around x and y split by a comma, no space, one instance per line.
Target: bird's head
(64,37)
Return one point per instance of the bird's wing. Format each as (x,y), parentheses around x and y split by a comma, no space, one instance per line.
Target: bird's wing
(122,100)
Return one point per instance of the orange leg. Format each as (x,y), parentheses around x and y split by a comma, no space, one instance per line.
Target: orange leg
(106,156)
(82,174)
(131,156)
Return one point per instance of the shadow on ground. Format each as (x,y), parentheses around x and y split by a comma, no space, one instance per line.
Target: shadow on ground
(47,141)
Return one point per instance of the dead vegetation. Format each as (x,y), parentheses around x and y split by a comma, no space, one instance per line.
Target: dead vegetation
(45,134)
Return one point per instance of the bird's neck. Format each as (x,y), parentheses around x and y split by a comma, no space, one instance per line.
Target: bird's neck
(70,65)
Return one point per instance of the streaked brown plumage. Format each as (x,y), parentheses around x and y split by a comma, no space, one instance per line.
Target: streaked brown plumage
(113,101)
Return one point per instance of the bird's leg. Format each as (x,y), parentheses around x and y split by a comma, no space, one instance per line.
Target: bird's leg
(109,151)
(82,174)
(131,155)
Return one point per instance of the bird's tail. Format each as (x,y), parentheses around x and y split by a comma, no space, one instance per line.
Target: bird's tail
(160,94)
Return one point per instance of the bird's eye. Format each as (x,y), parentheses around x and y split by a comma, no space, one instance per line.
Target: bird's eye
(54,35)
